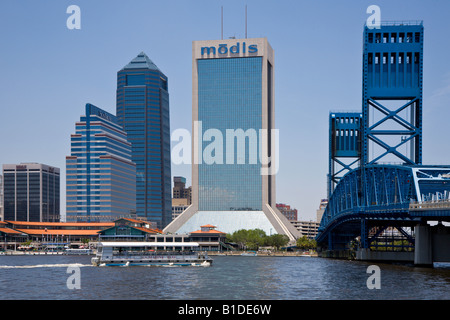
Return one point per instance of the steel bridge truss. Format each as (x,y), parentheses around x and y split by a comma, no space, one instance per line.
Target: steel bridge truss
(408,130)
(374,196)
(374,199)
(390,237)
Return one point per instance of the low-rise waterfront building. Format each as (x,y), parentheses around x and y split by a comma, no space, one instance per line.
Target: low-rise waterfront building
(13,233)
(128,229)
(10,236)
(1,198)
(209,238)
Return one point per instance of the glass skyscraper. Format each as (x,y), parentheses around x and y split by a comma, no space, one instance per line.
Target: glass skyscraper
(31,192)
(143,111)
(229,97)
(233,122)
(99,172)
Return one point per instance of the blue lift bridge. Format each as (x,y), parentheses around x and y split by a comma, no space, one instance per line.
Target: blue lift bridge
(380,196)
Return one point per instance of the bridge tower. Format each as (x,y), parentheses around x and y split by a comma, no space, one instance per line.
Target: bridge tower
(344,146)
(376,196)
(392,93)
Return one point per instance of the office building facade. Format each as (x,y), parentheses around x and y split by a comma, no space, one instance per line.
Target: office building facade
(31,192)
(321,210)
(181,196)
(180,191)
(308,229)
(143,112)
(178,207)
(100,176)
(233,120)
(290,213)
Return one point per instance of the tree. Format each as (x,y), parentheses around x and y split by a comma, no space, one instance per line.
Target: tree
(239,237)
(256,238)
(248,239)
(306,244)
(277,240)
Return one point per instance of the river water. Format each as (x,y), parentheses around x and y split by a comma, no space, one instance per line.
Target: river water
(229,278)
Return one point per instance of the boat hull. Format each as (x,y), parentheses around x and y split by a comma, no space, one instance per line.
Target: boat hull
(142,263)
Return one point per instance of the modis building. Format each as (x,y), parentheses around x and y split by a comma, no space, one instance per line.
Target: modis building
(234,144)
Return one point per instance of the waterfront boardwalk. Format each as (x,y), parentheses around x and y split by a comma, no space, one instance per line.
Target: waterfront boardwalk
(211,253)
(31,253)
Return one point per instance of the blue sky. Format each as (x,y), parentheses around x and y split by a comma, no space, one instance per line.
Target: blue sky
(49,73)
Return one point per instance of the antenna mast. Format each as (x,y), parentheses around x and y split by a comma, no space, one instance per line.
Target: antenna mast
(221,23)
(245,21)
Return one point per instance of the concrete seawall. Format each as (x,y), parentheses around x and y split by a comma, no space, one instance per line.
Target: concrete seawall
(264,254)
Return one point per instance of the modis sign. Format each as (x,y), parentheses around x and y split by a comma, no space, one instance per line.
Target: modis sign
(235,49)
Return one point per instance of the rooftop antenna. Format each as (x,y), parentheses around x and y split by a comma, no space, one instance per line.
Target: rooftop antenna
(222,21)
(245,21)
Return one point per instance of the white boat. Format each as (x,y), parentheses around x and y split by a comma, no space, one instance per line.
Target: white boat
(249,254)
(126,254)
(79,251)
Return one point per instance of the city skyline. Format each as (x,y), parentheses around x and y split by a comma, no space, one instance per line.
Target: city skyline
(310,80)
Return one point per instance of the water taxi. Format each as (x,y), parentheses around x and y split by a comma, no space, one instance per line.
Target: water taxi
(75,251)
(126,254)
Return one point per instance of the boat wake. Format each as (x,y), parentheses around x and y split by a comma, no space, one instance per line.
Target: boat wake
(62,265)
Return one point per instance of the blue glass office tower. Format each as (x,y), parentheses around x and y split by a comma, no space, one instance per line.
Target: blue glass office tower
(143,111)
(100,176)
(233,106)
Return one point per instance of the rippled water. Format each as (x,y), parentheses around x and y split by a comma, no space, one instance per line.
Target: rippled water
(230,278)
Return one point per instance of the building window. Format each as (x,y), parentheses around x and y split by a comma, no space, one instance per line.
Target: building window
(135,79)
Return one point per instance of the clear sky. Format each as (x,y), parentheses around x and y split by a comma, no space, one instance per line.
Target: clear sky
(48,72)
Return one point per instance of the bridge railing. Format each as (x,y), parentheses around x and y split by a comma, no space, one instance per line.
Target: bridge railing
(429,205)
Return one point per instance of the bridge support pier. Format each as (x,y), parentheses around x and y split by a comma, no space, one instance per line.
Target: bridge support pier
(364,233)
(365,254)
(422,251)
(432,244)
